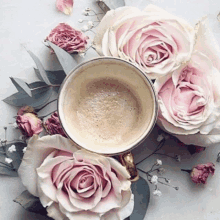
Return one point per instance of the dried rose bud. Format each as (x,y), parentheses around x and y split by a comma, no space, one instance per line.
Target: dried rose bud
(29,124)
(52,125)
(26,109)
(200,173)
(68,38)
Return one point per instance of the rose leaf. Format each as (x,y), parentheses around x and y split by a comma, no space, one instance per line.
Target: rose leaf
(31,203)
(21,85)
(65,59)
(55,77)
(42,73)
(107,5)
(141,192)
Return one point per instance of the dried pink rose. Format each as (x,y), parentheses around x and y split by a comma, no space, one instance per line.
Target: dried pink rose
(65,6)
(29,124)
(53,126)
(200,173)
(68,38)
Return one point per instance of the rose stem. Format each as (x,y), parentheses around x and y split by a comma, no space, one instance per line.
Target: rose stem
(159,146)
(188,171)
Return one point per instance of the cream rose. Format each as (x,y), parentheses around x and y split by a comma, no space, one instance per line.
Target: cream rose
(75,184)
(153,39)
(189,98)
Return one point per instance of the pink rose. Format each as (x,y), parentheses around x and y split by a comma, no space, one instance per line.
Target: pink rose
(153,39)
(53,126)
(200,173)
(68,38)
(29,124)
(189,99)
(65,6)
(75,184)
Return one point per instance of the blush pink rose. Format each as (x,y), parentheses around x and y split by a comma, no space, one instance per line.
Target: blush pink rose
(75,184)
(29,124)
(189,98)
(200,173)
(53,125)
(68,38)
(153,39)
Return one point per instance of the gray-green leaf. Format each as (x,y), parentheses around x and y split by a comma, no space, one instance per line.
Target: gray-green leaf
(21,85)
(141,193)
(66,60)
(31,203)
(42,73)
(55,77)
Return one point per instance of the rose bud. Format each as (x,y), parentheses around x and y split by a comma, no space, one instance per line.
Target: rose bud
(29,124)
(52,125)
(68,38)
(200,173)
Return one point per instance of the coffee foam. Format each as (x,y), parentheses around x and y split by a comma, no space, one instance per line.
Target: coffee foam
(106,107)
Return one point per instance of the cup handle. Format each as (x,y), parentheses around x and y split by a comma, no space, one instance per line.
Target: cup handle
(127,160)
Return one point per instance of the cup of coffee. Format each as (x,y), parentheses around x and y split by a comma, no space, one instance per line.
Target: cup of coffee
(108,106)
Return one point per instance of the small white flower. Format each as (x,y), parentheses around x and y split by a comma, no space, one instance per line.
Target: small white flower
(24,149)
(88,9)
(8,160)
(154,179)
(158,162)
(12,148)
(157,192)
(15,125)
(85,28)
(160,138)
(80,20)
(90,24)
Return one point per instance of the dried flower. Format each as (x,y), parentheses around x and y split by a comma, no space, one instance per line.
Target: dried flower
(160,138)
(90,24)
(24,149)
(26,109)
(8,160)
(200,173)
(29,124)
(158,162)
(53,126)
(68,38)
(85,28)
(12,148)
(85,13)
(157,192)
(154,179)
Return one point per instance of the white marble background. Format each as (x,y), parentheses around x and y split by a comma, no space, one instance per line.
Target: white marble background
(26,23)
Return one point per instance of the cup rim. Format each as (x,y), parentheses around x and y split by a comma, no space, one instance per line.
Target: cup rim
(127,63)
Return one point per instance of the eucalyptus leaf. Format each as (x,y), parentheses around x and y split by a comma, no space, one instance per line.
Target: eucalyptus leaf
(65,59)
(42,73)
(107,5)
(7,171)
(40,97)
(31,203)
(141,192)
(37,84)
(21,85)
(55,77)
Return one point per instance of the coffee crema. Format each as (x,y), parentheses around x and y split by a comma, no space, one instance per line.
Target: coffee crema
(107,106)
(108,111)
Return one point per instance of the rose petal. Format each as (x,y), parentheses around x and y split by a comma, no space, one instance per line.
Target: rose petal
(65,6)
(54,212)
(37,150)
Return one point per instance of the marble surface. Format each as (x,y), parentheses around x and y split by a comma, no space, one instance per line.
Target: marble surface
(25,24)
